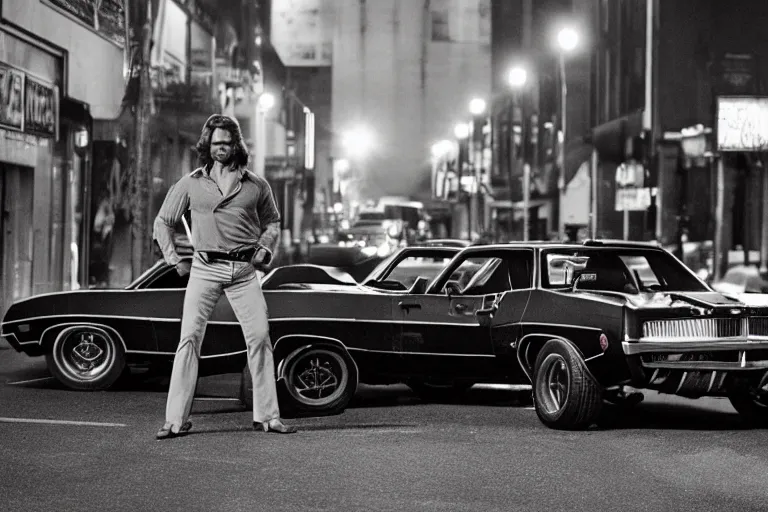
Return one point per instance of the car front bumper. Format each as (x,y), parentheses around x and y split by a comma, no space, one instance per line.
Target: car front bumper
(743,349)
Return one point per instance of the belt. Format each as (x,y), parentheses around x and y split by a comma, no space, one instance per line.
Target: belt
(236,255)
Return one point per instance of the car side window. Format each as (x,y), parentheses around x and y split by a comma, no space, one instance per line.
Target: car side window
(168,279)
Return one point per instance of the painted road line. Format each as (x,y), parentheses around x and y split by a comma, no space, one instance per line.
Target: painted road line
(216,399)
(29,381)
(61,422)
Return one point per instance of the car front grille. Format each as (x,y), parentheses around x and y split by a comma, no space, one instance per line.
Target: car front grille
(701,327)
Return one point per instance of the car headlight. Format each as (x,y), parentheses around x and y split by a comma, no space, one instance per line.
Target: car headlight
(384,250)
(369,251)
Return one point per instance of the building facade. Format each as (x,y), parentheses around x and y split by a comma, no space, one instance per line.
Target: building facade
(49,55)
(403,74)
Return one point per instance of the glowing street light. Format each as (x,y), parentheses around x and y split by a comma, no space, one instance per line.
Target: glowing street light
(461,131)
(358,141)
(517,77)
(477,106)
(266,102)
(442,148)
(567,39)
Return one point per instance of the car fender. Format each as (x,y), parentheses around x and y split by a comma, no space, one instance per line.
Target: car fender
(527,359)
(289,345)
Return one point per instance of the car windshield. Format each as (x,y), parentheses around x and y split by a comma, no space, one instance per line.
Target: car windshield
(621,270)
(420,263)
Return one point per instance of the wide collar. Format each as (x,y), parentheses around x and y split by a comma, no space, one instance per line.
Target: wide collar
(204,171)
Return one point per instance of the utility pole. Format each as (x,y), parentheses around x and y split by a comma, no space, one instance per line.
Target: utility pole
(140,241)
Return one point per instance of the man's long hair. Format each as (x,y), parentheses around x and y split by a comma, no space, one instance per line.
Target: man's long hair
(240,155)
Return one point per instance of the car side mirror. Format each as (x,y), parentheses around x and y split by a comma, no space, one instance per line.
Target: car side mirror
(419,286)
(452,288)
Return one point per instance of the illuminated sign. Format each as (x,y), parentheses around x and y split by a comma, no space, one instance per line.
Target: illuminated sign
(742,123)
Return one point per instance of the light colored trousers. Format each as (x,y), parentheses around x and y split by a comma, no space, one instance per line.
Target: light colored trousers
(207,281)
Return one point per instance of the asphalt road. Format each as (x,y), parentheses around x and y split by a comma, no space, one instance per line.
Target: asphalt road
(390,451)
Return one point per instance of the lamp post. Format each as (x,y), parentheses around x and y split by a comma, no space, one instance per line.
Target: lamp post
(567,41)
(477,108)
(461,132)
(517,78)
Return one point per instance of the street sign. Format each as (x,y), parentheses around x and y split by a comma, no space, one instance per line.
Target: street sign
(633,199)
(631,193)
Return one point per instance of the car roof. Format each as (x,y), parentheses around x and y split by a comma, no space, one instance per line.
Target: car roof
(547,244)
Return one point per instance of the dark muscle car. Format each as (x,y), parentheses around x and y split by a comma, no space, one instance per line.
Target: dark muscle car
(577,321)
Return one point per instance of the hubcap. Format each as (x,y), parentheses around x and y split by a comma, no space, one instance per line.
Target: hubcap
(85,355)
(554,383)
(317,377)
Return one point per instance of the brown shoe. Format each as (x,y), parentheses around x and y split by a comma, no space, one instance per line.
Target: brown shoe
(166,433)
(276,426)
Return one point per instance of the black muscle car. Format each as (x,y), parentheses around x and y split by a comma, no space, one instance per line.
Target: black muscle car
(578,322)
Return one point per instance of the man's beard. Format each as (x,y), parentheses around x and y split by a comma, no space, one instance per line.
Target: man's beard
(224,160)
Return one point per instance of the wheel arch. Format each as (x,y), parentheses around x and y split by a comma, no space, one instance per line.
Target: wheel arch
(52,334)
(290,343)
(530,345)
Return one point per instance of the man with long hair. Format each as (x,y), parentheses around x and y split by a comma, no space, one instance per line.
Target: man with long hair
(235,230)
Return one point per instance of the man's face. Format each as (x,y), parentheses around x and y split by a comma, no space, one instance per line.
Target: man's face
(222,147)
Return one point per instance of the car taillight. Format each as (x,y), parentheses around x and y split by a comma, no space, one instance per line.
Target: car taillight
(604,342)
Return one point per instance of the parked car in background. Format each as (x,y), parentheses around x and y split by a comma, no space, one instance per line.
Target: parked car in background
(742,279)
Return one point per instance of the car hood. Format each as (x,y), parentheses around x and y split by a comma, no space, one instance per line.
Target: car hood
(687,299)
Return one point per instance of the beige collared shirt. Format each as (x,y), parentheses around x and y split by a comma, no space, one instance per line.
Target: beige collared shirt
(246,216)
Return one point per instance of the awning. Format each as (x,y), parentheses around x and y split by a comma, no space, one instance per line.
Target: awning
(610,138)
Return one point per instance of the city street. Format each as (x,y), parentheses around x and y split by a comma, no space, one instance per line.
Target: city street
(64,450)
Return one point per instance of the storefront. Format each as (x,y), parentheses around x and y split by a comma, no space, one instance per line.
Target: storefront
(41,178)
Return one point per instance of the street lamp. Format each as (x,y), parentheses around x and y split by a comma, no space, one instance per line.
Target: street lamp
(461,131)
(517,78)
(477,106)
(266,101)
(357,142)
(567,41)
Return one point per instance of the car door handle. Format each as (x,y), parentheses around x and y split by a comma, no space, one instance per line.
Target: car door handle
(460,307)
(409,305)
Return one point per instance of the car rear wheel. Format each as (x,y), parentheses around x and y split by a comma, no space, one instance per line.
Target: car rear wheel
(438,391)
(752,404)
(564,393)
(317,380)
(86,358)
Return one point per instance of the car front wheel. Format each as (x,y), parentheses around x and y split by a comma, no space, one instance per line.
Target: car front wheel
(316,380)
(565,395)
(752,403)
(86,358)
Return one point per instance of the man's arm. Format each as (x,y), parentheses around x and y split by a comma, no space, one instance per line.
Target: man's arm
(269,216)
(175,204)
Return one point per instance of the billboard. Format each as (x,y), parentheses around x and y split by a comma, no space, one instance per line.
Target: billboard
(105,17)
(742,123)
(302,31)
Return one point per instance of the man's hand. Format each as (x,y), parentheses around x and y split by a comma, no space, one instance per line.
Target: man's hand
(183,268)
(260,257)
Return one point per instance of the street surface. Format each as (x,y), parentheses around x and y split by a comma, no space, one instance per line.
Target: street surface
(64,450)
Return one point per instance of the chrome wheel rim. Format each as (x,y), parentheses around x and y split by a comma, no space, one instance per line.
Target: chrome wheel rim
(317,377)
(554,383)
(85,355)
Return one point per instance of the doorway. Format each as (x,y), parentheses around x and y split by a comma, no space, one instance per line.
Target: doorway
(16,186)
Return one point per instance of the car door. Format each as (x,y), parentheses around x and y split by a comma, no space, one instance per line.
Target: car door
(440,332)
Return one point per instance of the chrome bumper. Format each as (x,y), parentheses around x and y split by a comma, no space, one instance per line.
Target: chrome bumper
(740,344)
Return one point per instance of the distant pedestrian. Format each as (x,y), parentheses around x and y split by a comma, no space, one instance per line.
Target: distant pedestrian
(235,230)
